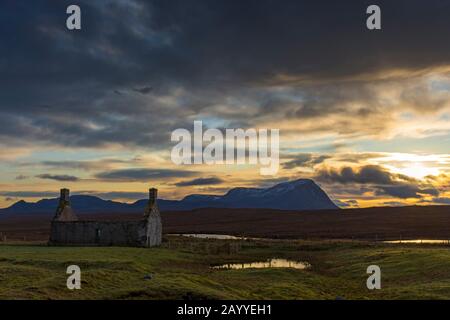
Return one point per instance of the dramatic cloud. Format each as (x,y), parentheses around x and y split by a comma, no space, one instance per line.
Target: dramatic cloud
(366,174)
(58,177)
(82,165)
(305,160)
(142,174)
(241,63)
(384,182)
(200,182)
(140,69)
(405,191)
(143,90)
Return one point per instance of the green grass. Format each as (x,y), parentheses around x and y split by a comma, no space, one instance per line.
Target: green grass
(181,269)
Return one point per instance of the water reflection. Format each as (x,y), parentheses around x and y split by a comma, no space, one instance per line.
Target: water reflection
(420,241)
(272,263)
(209,236)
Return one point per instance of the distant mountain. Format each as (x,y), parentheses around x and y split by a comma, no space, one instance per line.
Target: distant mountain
(301,194)
(80,203)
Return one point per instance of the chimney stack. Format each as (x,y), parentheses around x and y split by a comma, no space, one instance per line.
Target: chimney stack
(64,211)
(151,205)
(153,195)
(65,196)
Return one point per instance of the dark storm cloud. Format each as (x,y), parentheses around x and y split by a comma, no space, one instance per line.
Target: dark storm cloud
(358,157)
(200,182)
(305,160)
(143,90)
(405,191)
(366,174)
(61,87)
(82,164)
(142,174)
(381,180)
(58,177)
(320,39)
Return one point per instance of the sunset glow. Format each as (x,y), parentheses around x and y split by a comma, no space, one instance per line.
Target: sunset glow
(99,119)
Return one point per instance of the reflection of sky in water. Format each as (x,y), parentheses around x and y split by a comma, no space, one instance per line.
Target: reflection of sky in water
(210,236)
(272,263)
(415,241)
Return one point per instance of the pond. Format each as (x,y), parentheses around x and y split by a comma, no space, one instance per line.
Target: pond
(272,263)
(209,236)
(419,241)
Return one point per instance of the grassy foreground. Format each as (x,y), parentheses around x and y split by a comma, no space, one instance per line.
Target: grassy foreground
(180,269)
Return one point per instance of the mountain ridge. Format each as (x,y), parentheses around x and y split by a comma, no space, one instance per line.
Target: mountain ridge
(301,194)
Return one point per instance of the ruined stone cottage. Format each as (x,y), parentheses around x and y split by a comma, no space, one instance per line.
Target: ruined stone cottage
(67,229)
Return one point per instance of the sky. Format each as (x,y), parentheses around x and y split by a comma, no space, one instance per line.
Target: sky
(364,113)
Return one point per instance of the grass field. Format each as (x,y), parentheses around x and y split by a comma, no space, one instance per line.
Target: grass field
(180,269)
